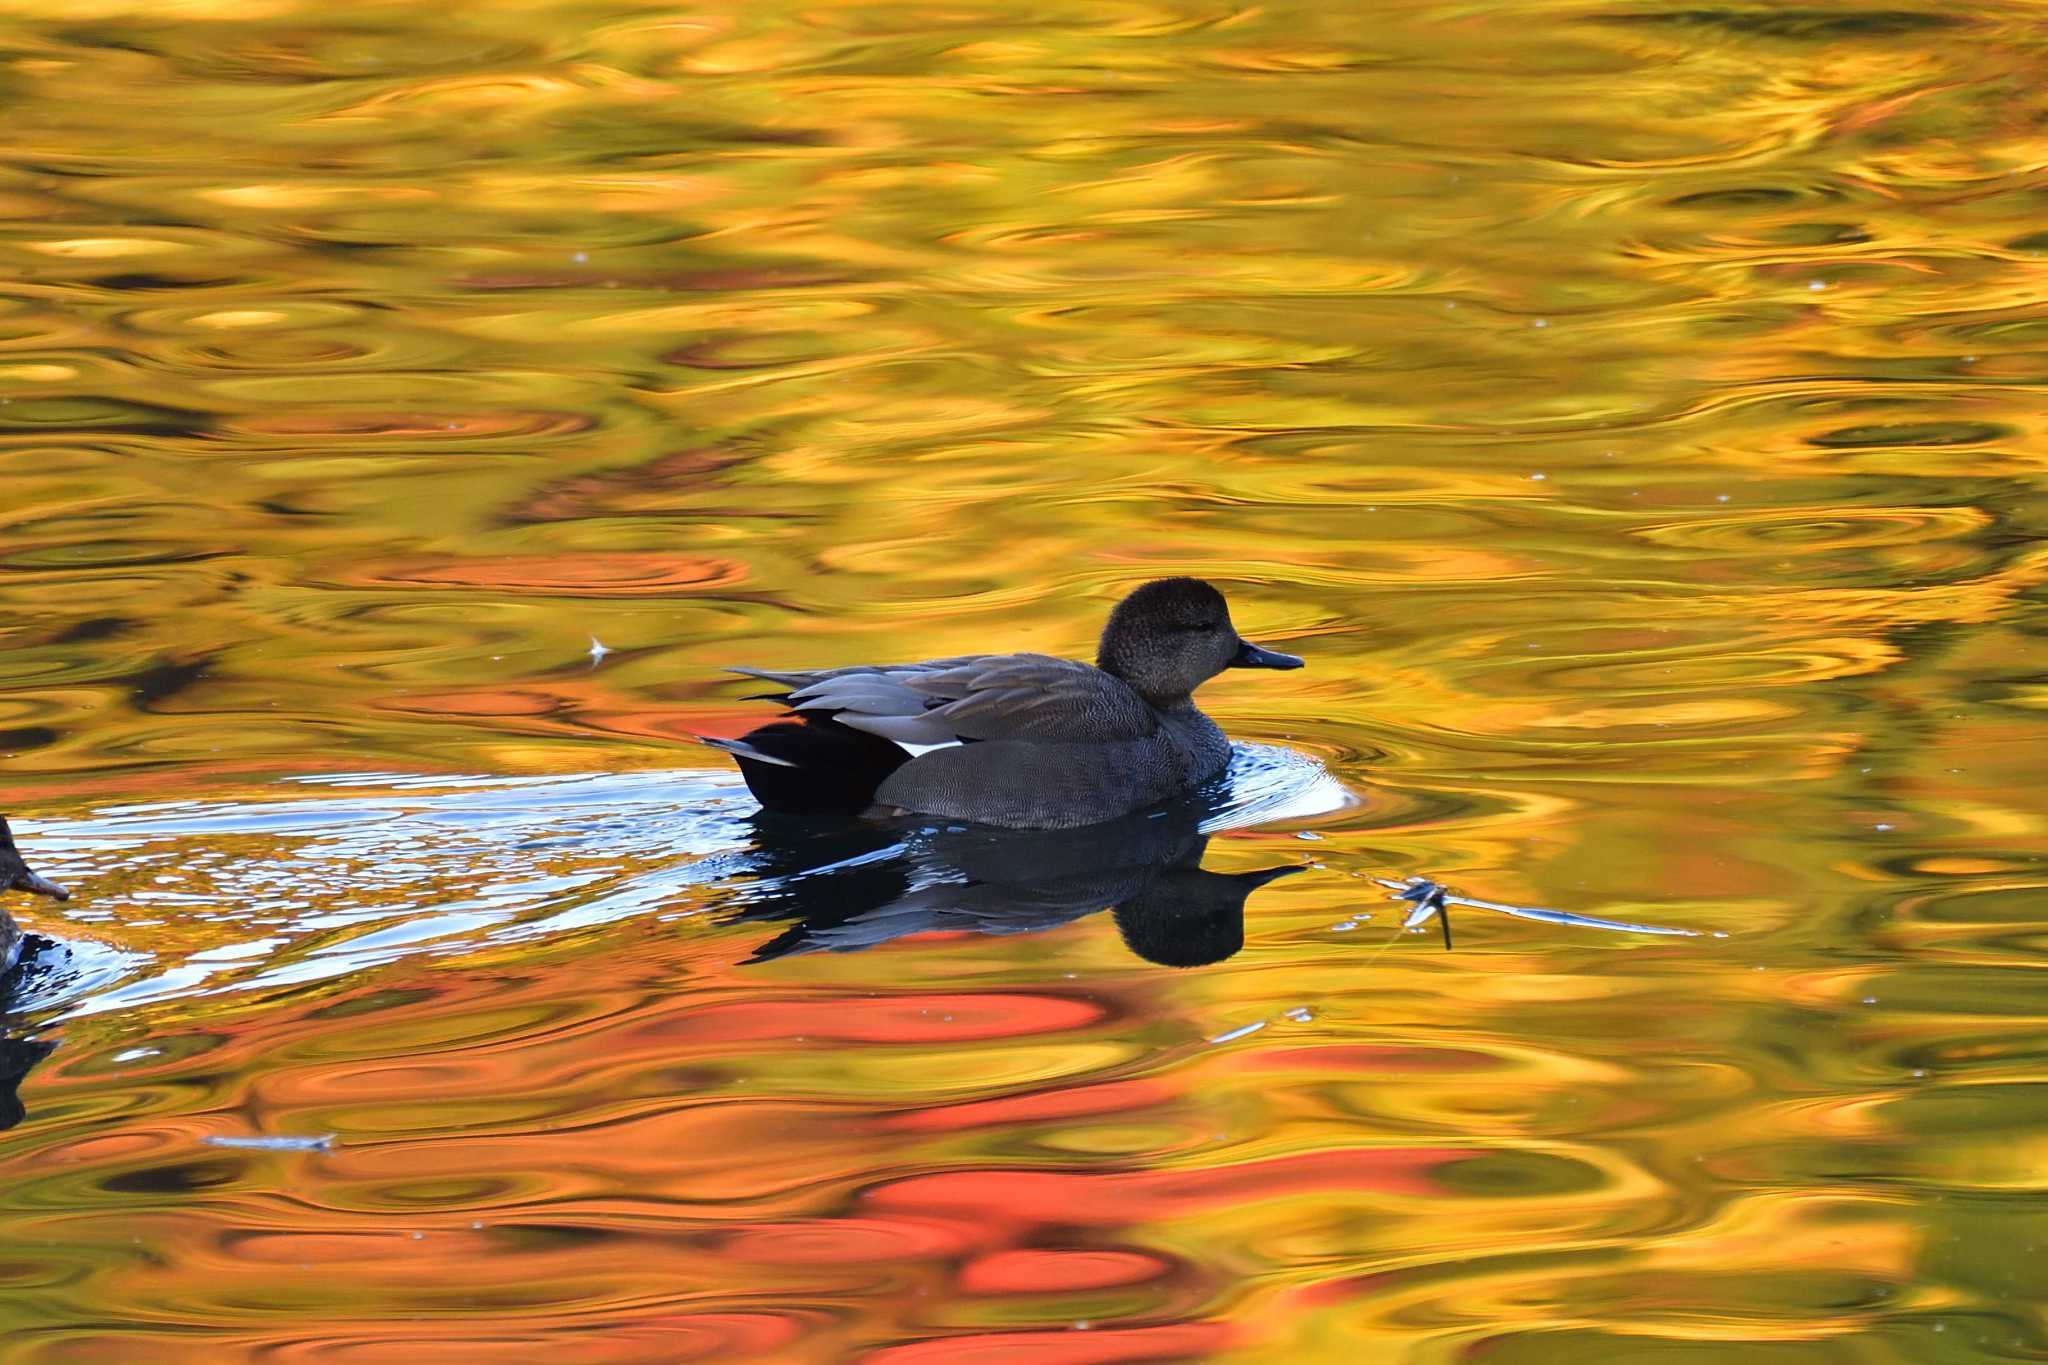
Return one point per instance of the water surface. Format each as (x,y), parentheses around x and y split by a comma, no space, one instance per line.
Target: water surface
(1632,410)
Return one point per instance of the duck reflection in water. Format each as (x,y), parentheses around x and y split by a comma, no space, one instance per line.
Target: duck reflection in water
(842,887)
(18,952)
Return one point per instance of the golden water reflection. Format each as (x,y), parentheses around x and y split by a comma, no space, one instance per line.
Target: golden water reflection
(1630,409)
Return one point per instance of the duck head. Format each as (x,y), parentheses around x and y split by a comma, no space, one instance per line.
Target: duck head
(1174,634)
(16,875)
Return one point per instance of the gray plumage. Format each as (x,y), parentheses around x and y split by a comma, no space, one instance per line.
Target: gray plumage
(1024,740)
(980,697)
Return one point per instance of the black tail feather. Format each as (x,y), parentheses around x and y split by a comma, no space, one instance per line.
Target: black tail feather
(833,768)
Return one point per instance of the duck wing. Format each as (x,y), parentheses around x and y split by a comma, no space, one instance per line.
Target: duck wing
(975,697)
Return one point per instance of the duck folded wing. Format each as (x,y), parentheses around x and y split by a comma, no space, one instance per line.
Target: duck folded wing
(996,696)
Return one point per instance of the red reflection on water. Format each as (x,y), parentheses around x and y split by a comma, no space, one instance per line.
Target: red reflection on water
(590,574)
(1059,1272)
(1029,1198)
(1075,1346)
(895,1019)
(714,1336)
(847,1241)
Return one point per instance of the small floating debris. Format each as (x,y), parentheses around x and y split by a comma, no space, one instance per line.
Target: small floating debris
(1427,899)
(322,1143)
(1426,896)
(1430,898)
(1244,1031)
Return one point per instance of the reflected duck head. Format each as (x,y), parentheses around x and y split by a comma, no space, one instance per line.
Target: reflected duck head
(1174,634)
(1191,918)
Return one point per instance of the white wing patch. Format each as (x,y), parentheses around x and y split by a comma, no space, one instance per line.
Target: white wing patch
(920,750)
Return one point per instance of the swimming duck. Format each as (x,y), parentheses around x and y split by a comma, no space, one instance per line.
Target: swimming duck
(16,875)
(1024,741)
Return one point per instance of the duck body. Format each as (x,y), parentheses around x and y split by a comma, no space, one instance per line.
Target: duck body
(1023,741)
(1064,783)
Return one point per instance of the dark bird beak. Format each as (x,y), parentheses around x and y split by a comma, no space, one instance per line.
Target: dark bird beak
(25,880)
(1250,655)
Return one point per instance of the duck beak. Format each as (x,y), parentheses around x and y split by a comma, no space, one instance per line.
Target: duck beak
(1250,655)
(27,880)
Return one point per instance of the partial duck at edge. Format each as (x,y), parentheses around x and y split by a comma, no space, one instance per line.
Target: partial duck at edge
(17,875)
(1024,741)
